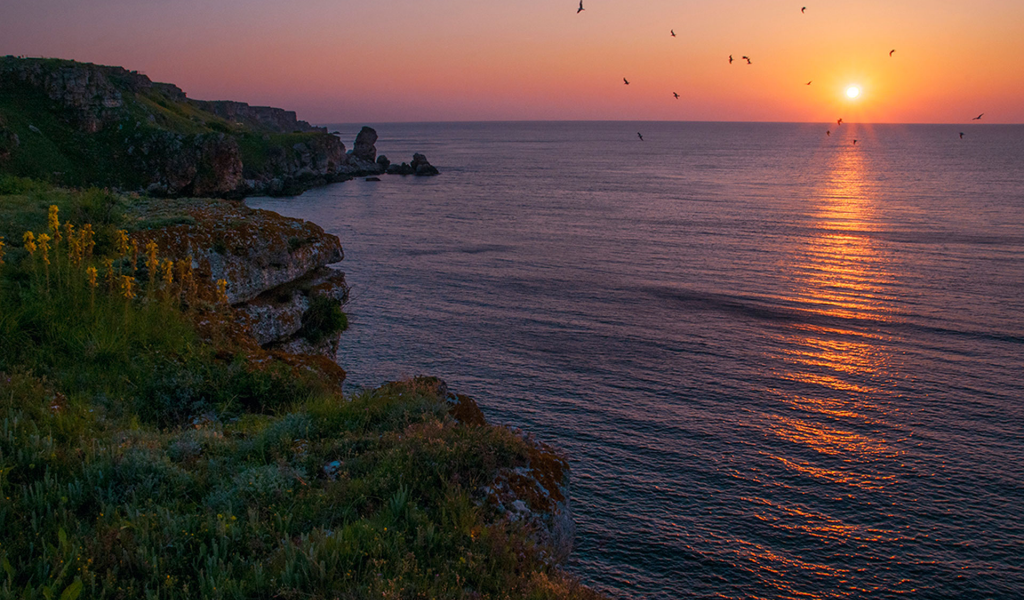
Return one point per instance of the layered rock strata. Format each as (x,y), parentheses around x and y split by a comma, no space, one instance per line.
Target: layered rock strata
(274,266)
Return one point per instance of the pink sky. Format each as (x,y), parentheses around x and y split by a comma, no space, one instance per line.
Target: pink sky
(441,60)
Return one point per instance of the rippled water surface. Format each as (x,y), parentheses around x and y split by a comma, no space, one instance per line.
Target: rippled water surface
(783,365)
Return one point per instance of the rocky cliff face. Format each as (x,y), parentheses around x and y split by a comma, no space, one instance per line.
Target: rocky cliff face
(276,267)
(132,133)
(265,118)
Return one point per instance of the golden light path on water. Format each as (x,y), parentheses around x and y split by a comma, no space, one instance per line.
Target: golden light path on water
(843,276)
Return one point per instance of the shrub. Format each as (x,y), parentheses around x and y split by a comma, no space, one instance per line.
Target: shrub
(323,319)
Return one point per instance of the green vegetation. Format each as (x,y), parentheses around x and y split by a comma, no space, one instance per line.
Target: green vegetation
(144,453)
(323,319)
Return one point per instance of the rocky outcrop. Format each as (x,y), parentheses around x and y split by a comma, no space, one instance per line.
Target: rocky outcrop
(535,493)
(265,118)
(92,94)
(200,165)
(419,166)
(275,267)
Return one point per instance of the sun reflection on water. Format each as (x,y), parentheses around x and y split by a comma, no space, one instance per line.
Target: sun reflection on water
(832,371)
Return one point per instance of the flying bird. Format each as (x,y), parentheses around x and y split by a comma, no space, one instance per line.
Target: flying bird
(747,58)
(961,135)
(839,122)
(626,80)
(803,10)
(828,133)
(891,51)
(676,95)
(730,59)
(639,136)
(673,32)
(854,142)
(808,83)
(580,9)
(978,118)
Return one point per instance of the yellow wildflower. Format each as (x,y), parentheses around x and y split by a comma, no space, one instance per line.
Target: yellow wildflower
(53,223)
(168,272)
(108,266)
(74,244)
(222,291)
(127,287)
(91,273)
(152,262)
(30,242)
(135,255)
(44,247)
(122,242)
(85,239)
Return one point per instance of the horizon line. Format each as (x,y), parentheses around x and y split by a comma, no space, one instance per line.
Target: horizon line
(482,121)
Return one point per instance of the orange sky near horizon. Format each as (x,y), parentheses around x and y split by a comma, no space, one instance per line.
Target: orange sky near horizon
(441,60)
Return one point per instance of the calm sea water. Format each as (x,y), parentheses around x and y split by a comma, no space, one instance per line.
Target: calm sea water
(783,365)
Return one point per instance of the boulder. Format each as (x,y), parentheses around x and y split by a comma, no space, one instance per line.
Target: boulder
(364,148)
(400,169)
(383,162)
(422,167)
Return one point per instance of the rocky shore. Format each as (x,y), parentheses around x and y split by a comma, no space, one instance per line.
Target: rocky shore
(84,124)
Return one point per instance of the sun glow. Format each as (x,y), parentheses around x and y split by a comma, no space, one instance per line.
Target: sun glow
(852,91)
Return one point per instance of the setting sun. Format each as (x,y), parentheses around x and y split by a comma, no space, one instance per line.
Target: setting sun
(852,91)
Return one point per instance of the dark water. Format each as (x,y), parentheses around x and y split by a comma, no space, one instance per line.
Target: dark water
(784,366)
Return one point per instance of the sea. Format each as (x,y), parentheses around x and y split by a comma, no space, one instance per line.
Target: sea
(783,364)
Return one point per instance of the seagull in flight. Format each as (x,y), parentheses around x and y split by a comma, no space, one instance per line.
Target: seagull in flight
(580,9)
(730,59)
(808,83)
(891,51)
(676,95)
(747,58)
(854,142)
(961,135)
(639,136)
(626,80)
(828,133)
(803,10)
(978,118)
(672,31)
(839,122)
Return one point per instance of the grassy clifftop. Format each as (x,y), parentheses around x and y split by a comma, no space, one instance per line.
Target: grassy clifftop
(149,450)
(81,124)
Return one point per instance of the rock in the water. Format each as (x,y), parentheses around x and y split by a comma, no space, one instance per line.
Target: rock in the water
(373,179)
(364,148)
(400,169)
(420,166)
(383,162)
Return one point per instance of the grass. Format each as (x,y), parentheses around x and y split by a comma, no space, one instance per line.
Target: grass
(141,458)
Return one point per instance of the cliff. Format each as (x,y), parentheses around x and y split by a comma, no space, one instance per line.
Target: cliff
(82,124)
(196,445)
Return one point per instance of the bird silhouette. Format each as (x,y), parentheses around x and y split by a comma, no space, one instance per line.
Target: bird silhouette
(626,80)
(808,83)
(854,142)
(676,95)
(746,58)
(730,59)
(839,122)
(580,9)
(891,51)
(803,10)
(673,32)
(639,136)
(978,118)
(961,135)
(828,133)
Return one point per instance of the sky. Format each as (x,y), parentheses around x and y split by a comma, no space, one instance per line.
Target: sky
(479,60)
